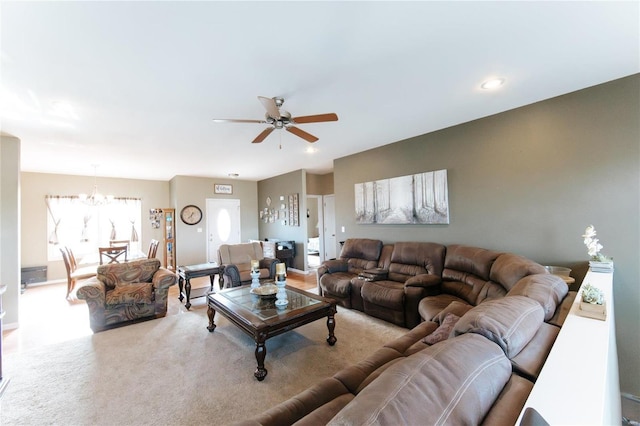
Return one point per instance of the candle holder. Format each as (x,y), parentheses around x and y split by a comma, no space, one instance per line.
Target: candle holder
(255,282)
(281,295)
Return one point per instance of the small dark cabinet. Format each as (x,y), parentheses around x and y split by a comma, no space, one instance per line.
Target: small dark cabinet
(286,252)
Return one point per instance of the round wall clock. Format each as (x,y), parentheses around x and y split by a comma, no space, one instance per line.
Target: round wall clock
(191,214)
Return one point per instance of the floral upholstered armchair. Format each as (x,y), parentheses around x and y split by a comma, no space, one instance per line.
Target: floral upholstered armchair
(126,292)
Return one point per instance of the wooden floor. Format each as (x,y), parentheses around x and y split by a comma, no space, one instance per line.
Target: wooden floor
(46,317)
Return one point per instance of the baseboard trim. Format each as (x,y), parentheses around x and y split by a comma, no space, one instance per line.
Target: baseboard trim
(630,397)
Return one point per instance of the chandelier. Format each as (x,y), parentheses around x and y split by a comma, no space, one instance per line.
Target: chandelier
(96,198)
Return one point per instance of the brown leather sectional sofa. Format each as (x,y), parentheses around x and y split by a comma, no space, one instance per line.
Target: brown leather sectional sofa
(486,322)
(423,278)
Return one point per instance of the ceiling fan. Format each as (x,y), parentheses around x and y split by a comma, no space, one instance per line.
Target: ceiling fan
(280,119)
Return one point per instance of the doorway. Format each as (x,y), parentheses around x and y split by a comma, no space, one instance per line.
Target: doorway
(223,224)
(329,226)
(314,234)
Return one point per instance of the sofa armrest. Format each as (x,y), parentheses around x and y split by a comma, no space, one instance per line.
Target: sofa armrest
(164,278)
(91,289)
(335,265)
(231,275)
(94,292)
(321,395)
(424,280)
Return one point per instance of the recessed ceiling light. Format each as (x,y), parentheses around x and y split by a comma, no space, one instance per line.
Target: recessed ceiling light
(494,83)
(233,175)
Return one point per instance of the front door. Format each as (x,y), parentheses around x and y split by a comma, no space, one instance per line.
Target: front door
(223,224)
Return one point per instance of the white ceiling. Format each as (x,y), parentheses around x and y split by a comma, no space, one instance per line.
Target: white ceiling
(144,79)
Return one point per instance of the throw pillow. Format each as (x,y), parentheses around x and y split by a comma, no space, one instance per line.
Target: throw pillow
(442,333)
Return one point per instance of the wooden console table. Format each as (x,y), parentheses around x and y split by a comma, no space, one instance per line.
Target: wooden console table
(185,273)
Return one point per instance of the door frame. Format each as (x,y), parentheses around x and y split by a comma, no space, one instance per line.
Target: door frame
(320,214)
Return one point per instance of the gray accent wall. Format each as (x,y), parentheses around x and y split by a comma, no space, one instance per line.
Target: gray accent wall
(529,181)
(283,185)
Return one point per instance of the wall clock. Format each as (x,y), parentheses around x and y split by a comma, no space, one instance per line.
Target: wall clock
(191,214)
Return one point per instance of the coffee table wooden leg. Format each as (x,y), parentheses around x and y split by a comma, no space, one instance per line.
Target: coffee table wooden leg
(211,313)
(331,325)
(261,353)
(187,290)
(180,283)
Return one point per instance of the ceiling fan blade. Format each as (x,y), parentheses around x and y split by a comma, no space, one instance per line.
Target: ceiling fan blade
(270,105)
(318,118)
(301,133)
(266,132)
(233,120)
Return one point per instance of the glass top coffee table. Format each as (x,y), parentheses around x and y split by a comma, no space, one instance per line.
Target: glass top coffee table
(259,318)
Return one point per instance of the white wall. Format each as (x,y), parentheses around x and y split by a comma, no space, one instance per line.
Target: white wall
(9,227)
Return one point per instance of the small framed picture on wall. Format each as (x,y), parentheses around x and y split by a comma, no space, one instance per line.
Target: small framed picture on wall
(220,188)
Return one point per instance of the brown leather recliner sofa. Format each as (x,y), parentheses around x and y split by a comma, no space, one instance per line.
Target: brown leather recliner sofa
(472,376)
(422,278)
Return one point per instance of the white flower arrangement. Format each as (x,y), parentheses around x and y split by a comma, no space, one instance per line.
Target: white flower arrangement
(593,245)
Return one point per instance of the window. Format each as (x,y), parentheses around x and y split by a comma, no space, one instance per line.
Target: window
(84,228)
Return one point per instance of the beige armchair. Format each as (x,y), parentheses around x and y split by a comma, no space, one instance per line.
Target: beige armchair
(126,292)
(235,261)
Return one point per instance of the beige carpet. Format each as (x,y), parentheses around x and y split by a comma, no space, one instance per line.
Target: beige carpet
(172,371)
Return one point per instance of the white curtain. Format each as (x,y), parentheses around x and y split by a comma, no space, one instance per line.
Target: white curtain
(84,228)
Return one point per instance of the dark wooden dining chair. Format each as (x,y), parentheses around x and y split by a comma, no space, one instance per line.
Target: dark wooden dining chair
(153,249)
(113,254)
(117,243)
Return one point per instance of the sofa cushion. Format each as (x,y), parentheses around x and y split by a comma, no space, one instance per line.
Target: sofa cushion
(469,260)
(443,331)
(509,268)
(466,271)
(431,306)
(129,294)
(240,254)
(128,272)
(245,275)
(506,409)
(454,382)
(456,307)
(338,283)
(362,248)
(413,258)
(388,294)
(529,361)
(547,289)
(510,322)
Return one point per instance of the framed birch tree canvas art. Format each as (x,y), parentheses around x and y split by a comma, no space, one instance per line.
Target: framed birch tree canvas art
(413,199)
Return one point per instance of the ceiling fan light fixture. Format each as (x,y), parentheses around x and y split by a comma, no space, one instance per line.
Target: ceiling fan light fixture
(280,119)
(493,83)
